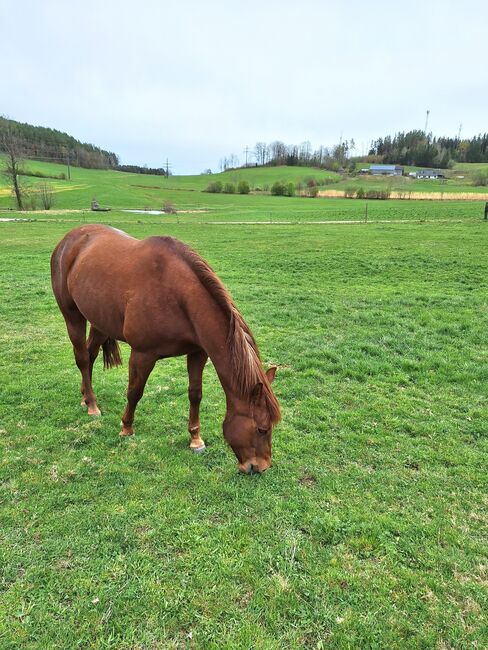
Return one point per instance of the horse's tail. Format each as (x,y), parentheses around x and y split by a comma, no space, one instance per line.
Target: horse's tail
(111,354)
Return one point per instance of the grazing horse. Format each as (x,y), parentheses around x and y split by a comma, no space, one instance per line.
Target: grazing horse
(164,300)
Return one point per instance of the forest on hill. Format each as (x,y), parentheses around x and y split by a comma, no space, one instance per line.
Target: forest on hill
(411,148)
(42,143)
(417,148)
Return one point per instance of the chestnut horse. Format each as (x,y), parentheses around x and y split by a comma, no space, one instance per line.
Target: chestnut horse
(164,300)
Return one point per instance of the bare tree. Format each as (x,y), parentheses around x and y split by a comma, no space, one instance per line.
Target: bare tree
(261,152)
(10,144)
(305,153)
(277,152)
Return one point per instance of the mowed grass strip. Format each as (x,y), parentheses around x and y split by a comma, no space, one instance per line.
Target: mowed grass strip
(369,530)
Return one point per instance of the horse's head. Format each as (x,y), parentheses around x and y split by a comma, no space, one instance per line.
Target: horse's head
(248,430)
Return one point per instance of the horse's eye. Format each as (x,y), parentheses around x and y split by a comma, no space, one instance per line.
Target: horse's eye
(263,432)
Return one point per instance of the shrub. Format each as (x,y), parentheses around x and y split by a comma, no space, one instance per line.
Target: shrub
(46,195)
(312,191)
(331,165)
(290,189)
(350,192)
(29,200)
(310,182)
(378,194)
(243,187)
(215,187)
(169,207)
(229,188)
(328,181)
(278,188)
(360,193)
(480,179)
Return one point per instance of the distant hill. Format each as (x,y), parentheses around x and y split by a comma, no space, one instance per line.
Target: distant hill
(41,143)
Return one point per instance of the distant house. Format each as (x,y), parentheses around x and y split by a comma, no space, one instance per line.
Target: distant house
(430,173)
(386,170)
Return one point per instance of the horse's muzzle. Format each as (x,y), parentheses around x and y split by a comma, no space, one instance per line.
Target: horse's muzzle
(255,467)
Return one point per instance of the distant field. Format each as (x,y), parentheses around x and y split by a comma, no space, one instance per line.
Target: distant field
(134,191)
(123,190)
(370,529)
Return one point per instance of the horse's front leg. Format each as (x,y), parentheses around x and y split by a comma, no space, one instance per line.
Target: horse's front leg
(140,366)
(195,364)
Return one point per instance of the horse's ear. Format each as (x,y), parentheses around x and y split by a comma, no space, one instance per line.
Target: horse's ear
(270,374)
(257,392)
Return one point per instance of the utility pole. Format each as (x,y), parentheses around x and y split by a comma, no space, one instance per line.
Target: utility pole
(246,151)
(69,172)
(167,168)
(426,121)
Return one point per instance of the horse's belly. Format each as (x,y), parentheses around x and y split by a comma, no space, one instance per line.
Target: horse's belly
(105,315)
(158,325)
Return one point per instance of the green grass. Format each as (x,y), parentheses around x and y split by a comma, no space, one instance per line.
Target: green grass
(370,529)
(120,190)
(124,190)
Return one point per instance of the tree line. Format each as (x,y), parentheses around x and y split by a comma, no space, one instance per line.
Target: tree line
(38,142)
(138,169)
(278,153)
(412,148)
(425,150)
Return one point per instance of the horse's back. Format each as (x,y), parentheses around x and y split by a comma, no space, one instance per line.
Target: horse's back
(125,287)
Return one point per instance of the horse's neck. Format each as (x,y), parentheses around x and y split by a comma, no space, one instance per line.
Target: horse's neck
(212,331)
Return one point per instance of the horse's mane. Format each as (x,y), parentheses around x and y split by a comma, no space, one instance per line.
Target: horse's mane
(247,368)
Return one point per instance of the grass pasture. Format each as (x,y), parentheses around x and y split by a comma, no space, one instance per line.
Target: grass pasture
(370,530)
(120,190)
(135,191)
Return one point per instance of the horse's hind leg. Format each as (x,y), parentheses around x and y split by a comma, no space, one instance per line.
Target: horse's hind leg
(76,326)
(195,364)
(95,340)
(140,366)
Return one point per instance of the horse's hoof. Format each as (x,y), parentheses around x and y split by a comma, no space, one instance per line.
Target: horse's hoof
(198,450)
(126,434)
(94,411)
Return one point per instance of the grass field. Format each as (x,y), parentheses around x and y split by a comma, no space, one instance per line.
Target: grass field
(370,530)
(120,190)
(134,191)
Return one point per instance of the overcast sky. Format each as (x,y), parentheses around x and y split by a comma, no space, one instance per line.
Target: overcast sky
(196,81)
